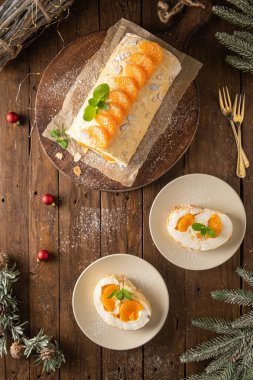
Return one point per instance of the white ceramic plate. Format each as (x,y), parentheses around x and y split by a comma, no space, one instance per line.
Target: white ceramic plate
(144,276)
(199,190)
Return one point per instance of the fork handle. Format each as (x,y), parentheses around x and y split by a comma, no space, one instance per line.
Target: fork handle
(240,168)
(243,154)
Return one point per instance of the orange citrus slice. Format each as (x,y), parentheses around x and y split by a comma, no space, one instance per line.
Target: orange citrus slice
(108,303)
(121,98)
(128,85)
(144,62)
(100,135)
(152,50)
(184,222)
(107,122)
(137,73)
(215,223)
(116,111)
(129,310)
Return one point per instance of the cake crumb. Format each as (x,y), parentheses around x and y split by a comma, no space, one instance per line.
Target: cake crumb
(59,155)
(77,171)
(77,156)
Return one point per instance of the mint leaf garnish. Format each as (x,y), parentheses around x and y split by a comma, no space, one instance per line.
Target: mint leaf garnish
(103,105)
(89,113)
(113,294)
(60,136)
(204,229)
(211,232)
(120,295)
(63,143)
(126,294)
(123,293)
(93,102)
(197,226)
(101,92)
(55,133)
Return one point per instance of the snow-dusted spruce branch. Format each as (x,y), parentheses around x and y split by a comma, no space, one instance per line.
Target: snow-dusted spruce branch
(231,354)
(45,348)
(240,42)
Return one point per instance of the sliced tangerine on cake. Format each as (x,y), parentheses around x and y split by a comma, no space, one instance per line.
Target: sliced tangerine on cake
(185,222)
(106,121)
(214,222)
(109,303)
(144,62)
(137,73)
(129,310)
(128,85)
(100,135)
(152,50)
(116,111)
(121,98)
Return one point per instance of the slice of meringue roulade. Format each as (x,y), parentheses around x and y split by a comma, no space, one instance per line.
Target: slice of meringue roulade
(120,304)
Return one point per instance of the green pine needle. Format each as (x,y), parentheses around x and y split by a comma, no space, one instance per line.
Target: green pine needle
(234,17)
(239,42)
(246,321)
(240,64)
(218,325)
(237,297)
(236,44)
(246,275)
(243,5)
(210,348)
(247,36)
(217,364)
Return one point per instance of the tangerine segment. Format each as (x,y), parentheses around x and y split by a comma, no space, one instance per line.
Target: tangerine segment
(185,222)
(129,310)
(215,223)
(121,98)
(144,62)
(129,86)
(106,121)
(116,111)
(137,73)
(100,135)
(152,50)
(108,303)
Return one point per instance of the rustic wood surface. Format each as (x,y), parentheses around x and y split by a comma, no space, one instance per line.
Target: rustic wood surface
(90,224)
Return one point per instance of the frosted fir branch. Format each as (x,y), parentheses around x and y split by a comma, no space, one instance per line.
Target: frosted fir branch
(238,297)
(236,44)
(218,363)
(245,274)
(3,348)
(243,5)
(218,325)
(37,343)
(240,63)
(210,348)
(224,373)
(247,36)
(245,321)
(203,376)
(234,17)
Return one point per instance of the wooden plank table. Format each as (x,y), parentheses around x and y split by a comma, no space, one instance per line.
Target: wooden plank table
(90,224)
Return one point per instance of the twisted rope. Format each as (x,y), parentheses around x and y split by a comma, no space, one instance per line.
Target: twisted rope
(165,14)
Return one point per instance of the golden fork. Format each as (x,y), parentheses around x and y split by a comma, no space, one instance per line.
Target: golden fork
(226,109)
(238,115)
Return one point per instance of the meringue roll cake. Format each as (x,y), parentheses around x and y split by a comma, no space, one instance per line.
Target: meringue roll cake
(120,107)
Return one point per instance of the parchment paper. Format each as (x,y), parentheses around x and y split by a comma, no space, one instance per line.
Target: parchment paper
(162,119)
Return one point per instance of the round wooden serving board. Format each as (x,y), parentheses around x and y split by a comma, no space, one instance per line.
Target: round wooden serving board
(55,84)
